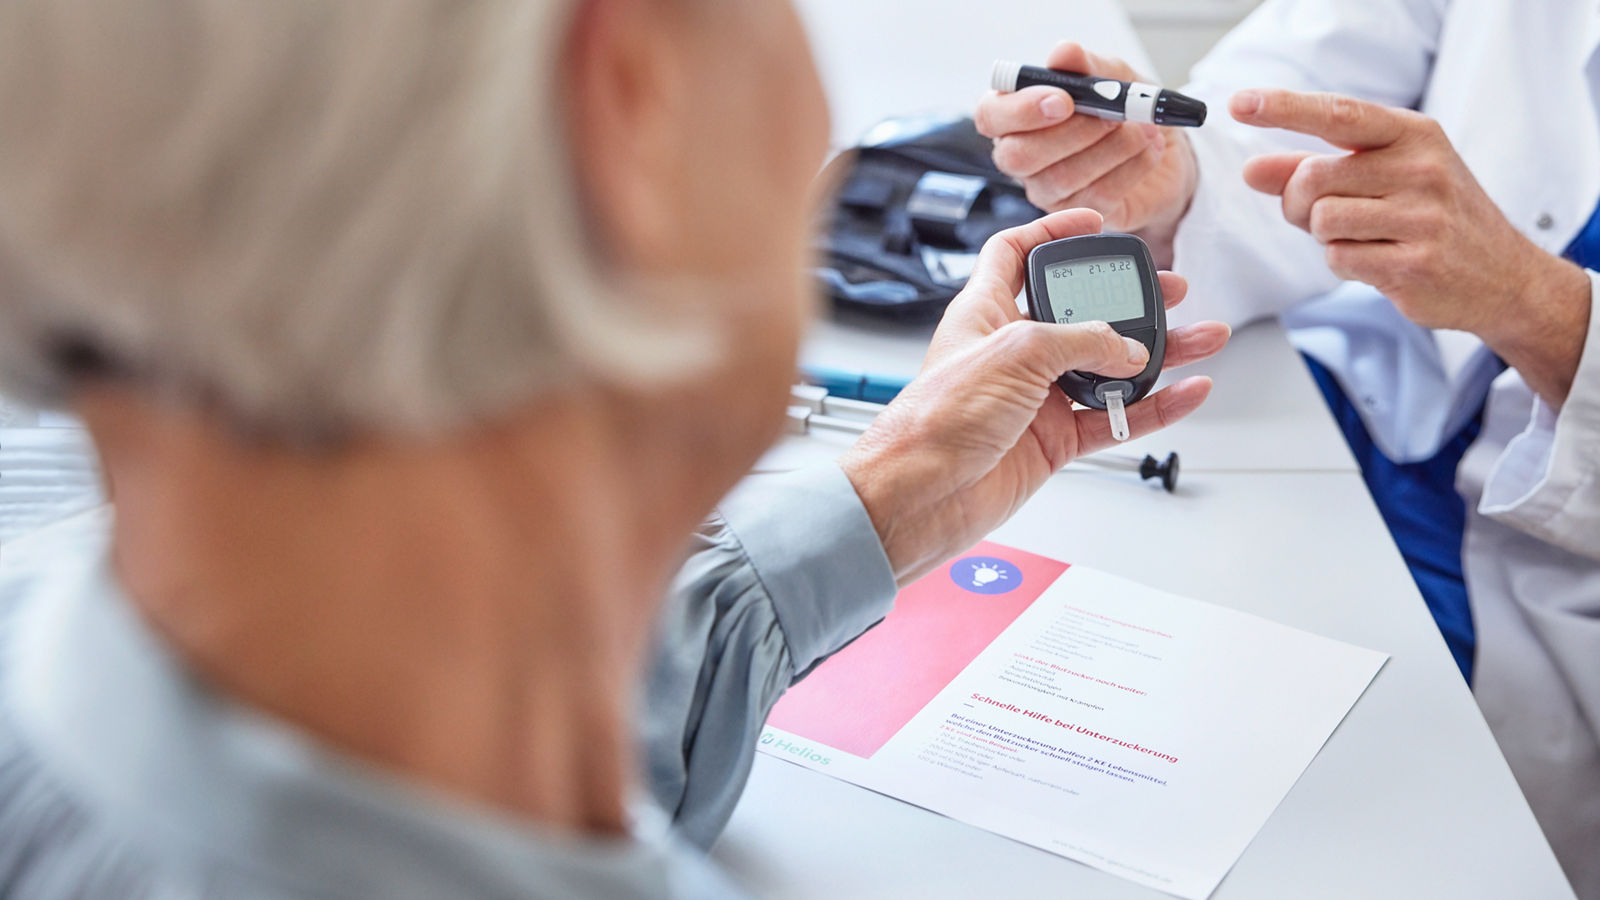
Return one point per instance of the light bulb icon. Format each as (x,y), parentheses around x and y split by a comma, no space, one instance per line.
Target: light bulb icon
(984,574)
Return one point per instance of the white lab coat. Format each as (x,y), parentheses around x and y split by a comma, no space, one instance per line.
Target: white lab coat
(1515,86)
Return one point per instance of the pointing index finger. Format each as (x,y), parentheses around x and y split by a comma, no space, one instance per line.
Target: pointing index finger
(1343,121)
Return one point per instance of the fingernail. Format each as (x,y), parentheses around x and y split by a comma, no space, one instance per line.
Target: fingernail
(1136,351)
(1245,103)
(1054,107)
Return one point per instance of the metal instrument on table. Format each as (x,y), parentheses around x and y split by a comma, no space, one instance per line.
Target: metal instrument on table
(812,407)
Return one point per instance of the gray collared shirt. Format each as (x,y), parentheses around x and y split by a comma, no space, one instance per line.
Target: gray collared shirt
(124,776)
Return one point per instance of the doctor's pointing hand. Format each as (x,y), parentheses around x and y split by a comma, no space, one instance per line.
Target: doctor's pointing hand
(1401,212)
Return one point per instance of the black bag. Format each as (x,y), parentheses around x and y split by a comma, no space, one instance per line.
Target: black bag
(916,200)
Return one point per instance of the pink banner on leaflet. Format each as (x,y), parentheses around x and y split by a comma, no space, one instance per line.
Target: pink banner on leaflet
(862,695)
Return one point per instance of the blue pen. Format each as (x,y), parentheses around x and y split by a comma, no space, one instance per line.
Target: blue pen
(855,385)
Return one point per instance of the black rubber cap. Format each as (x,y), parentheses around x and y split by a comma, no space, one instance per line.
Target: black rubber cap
(1174,108)
(1167,471)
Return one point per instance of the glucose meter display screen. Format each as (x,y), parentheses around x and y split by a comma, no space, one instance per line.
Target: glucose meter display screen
(1096,289)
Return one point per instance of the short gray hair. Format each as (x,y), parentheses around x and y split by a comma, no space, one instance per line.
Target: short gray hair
(314,215)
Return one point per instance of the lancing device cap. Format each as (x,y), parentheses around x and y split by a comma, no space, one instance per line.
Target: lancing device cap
(1004,76)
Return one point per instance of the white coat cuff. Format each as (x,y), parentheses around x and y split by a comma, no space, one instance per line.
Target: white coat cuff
(1198,251)
(1547,482)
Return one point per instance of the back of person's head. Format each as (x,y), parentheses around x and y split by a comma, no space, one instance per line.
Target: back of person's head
(313,217)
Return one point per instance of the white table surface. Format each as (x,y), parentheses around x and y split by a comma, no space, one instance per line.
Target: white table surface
(1410,798)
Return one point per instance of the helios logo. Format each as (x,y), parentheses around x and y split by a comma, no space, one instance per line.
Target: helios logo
(774,743)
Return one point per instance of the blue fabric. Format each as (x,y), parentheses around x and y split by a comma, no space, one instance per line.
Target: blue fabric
(1419,503)
(1585,248)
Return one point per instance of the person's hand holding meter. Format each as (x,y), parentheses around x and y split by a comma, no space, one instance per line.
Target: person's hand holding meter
(984,425)
(1139,176)
(1402,213)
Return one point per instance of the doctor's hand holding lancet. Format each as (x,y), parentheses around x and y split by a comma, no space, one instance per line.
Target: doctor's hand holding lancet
(1139,176)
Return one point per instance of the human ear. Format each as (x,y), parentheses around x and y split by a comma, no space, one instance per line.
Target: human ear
(625,90)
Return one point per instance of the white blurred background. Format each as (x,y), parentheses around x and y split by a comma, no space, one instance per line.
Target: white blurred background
(1178,32)
(865,49)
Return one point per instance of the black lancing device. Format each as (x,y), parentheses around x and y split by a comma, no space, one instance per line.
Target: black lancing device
(1108,98)
(1101,278)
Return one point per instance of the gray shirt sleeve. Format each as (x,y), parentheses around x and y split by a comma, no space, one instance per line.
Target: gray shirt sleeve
(787,572)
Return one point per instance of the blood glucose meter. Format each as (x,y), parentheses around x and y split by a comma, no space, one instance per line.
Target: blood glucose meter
(1102,278)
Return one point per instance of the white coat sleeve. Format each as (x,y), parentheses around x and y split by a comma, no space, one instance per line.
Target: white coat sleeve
(1243,261)
(1547,481)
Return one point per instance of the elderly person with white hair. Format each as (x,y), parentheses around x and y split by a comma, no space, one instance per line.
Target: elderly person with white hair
(419,341)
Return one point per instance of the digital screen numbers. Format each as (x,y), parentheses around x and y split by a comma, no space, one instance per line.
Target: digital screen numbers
(1096,289)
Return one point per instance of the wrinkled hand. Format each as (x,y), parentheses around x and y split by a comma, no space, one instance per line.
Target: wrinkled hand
(984,425)
(1138,176)
(1402,213)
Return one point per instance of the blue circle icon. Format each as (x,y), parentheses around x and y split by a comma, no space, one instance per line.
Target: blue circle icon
(985,575)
